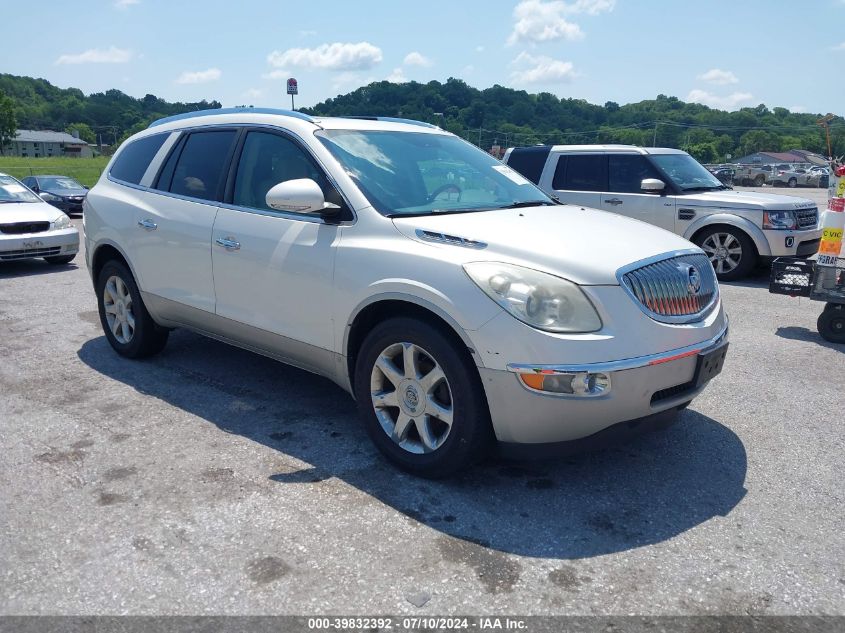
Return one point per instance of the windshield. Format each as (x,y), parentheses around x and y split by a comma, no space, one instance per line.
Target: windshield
(409,173)
(686,172)
(52,183)
(13,191)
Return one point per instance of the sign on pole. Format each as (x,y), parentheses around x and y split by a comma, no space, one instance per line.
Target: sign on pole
(293,89)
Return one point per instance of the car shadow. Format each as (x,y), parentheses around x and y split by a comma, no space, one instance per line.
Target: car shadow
(30,267)
(646,491)
(795,333)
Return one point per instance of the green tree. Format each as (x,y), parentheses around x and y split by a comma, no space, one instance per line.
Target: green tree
(8,121)
(84,131)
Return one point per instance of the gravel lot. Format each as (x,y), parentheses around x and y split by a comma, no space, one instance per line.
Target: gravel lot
(210,480)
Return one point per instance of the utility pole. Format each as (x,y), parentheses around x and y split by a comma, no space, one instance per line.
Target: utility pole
(825,123)
(654,140)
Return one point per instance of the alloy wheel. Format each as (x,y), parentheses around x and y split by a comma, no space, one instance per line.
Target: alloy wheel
(724,251)
(117,303)
(411,398)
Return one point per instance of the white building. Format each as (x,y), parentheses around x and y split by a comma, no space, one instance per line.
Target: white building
(40,143)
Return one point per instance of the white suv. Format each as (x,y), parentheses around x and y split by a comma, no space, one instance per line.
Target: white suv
(670,189)
(455,300)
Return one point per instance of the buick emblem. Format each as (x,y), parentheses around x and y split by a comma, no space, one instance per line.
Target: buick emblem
(693,280)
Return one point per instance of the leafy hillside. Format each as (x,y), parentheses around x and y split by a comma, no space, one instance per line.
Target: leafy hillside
(505,116)
(496,115)
(40,105)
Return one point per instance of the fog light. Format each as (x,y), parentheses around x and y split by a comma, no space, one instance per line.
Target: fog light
(581,384)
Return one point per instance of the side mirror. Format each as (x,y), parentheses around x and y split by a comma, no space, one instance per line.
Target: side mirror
(298,196)
(652,185)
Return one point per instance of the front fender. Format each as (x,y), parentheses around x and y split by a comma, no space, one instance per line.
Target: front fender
(729,219)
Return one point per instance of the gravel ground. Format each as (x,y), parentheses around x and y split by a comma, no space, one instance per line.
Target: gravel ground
(209,480)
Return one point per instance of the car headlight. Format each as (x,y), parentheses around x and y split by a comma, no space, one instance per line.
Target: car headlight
(62,222)
(779,220)
(49,197)
(539,299)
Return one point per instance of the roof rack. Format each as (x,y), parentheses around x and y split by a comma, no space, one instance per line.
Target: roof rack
(221,111)
(390,119)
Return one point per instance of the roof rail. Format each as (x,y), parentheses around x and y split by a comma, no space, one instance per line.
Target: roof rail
(390,119)
(221,111)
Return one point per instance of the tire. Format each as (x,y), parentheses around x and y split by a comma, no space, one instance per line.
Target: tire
(831,323)
(792,183)
(59,260)
(711,240)
(746,182)
(426,445)
(760,180)
(136,335)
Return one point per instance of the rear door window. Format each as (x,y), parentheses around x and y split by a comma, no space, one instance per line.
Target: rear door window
(581,172)
(529,161)
(133,160)
(201,167)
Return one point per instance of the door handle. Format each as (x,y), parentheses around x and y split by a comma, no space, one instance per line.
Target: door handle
(147,224)
(613,201)
(228,243)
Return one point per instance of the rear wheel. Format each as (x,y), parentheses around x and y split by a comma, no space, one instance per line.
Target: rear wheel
(831,323)
(128,326)
(421,399)
(60,260)
(730,250)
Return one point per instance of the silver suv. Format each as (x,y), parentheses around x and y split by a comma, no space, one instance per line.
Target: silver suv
(457,302)
(670,189)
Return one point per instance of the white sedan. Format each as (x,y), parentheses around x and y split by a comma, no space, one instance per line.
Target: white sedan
(30,228)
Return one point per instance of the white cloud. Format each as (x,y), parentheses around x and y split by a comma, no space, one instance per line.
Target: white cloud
(417,59)
(529,69)
(839,47)
(797,109)
(719,77)
(539,21)
(468,69)
(479,49)
(397,76)
(252,93)
(112,55)
(337,56)
(307,33)
(729,102)
(279,73)
(350,80)
(199,77)
(125,4)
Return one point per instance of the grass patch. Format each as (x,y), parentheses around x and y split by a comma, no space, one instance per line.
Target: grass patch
(85,170)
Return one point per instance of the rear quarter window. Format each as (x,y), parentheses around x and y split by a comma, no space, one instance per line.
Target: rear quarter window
(529,161)
(133,160)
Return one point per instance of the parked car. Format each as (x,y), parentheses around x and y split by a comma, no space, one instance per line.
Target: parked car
(62,192)
(725,175)
(752,175)
(670,189)
(457,310)
(30,228)
(796,177)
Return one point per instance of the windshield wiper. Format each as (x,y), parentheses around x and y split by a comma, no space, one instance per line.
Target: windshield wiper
(702,188)
(529,203)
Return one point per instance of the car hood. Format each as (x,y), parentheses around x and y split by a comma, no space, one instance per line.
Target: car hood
(66,193)
(744,200)
(584,245)
(28,212)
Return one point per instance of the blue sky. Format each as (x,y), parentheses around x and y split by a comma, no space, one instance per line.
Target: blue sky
(722,53)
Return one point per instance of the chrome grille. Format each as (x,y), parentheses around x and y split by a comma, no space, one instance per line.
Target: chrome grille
(666,289)
(807,218)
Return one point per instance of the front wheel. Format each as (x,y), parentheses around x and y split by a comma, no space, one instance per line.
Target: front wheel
(792,183)
(730,250)
(831,323)
(759,181)
(128,326)
(421,399)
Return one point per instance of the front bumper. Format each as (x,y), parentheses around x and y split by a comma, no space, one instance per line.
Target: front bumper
(793,243)
(68,206)
(640,388)
(47,244)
